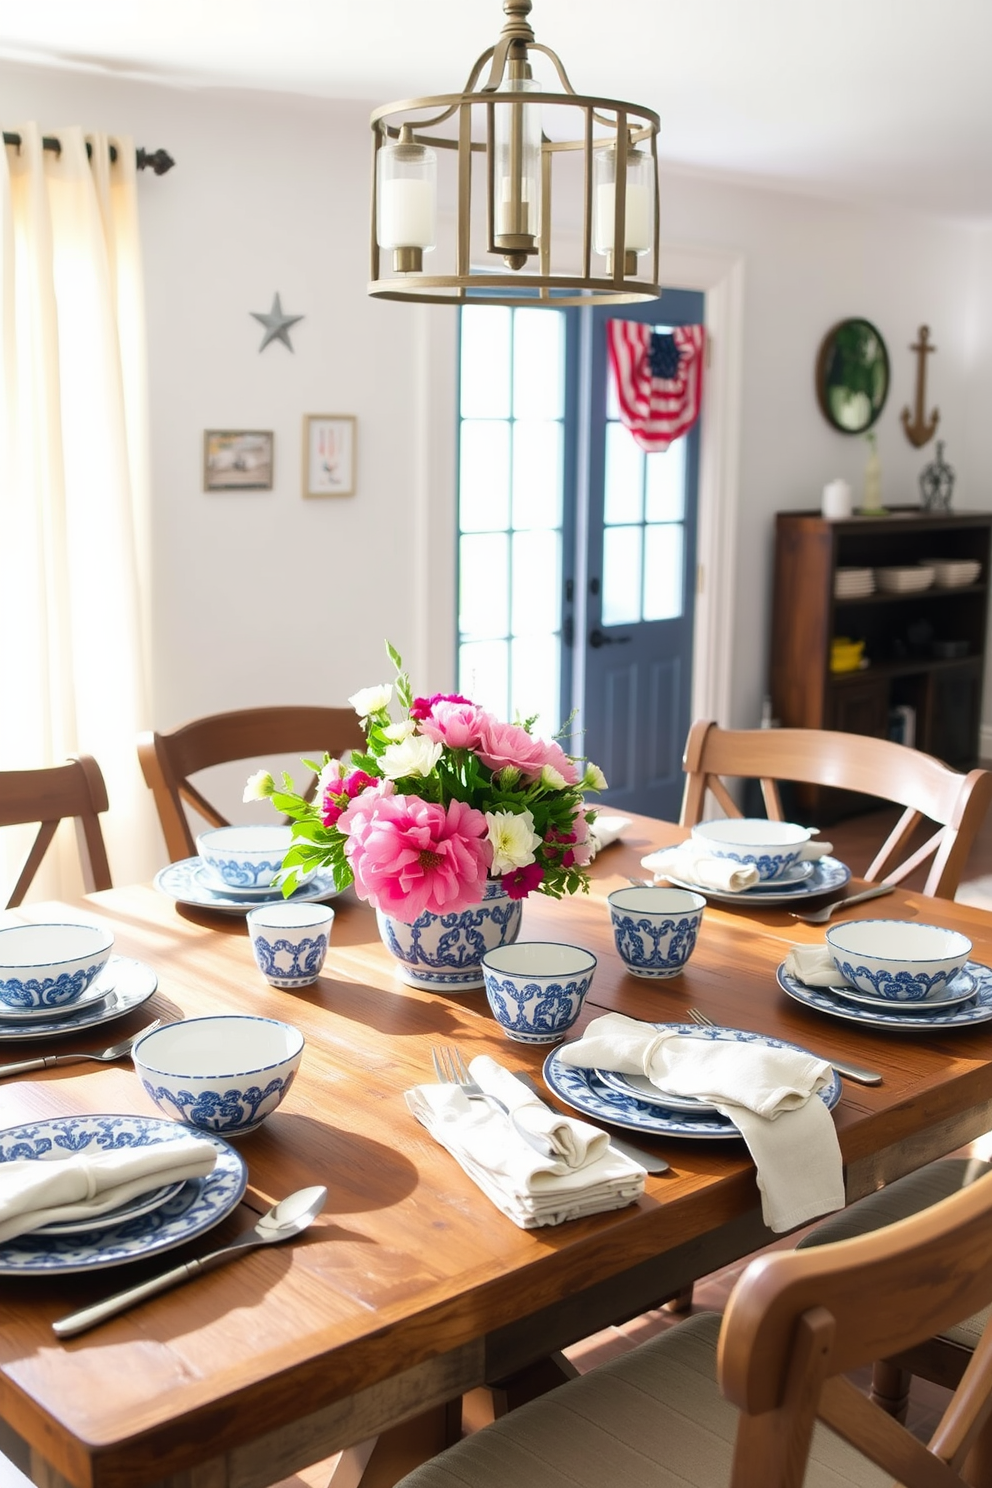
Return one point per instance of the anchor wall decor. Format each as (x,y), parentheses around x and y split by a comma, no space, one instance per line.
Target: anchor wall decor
(918,427)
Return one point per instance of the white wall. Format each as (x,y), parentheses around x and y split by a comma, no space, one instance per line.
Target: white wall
(267,597)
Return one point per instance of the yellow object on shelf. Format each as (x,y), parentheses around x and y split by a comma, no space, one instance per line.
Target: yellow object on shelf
(845,654)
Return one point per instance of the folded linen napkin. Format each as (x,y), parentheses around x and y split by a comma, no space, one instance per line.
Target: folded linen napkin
(814,966)
(696,864)
(588,1178)
(607,829)
(769,1094)
(39,1192)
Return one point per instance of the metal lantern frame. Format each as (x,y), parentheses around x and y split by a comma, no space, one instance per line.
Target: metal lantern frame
(629,126)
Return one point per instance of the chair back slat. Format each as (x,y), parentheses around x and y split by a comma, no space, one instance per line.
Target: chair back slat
(925,786)
(49,795)
(169,759)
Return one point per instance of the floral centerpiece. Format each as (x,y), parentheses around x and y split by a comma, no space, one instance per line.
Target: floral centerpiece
(448,810)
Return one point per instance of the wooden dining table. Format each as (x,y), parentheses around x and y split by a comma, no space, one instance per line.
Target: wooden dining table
(412,1289)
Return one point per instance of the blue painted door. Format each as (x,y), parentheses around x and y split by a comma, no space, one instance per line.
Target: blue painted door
(633,618)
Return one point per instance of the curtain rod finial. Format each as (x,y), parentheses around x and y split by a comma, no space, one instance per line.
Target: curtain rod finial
(159,161)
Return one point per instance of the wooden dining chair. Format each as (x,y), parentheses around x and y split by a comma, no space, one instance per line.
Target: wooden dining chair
(746,1402)
(50,795)
(926,788)
(168,760)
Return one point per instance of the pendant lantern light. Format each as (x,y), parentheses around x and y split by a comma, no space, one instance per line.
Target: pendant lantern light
(508,194)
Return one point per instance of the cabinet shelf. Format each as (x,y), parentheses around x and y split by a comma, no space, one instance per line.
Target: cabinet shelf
(923,594)
(908,666)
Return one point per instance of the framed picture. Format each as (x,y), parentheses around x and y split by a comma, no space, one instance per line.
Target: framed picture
(237,460)
(329,454)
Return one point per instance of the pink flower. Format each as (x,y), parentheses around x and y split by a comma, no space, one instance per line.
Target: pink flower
(584,847)
(503,745)
(520,882)
(339,789)
(423,707)
(410,855)
(454,722)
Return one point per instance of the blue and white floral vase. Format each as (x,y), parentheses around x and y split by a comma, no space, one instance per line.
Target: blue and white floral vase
(442,953)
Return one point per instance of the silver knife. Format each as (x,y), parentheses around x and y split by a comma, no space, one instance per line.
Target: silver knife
(649,1161)
(854,1071)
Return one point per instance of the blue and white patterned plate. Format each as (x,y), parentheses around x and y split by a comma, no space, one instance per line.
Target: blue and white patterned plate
(134,983)
(641,1088)
(827,877)
(200,1203)
(919,1018)
(961,988)
(181,881)
(142,1204)
(585,1091)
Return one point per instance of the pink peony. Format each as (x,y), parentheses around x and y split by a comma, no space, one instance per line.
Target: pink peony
(339,790)
(507,744)
(410,855)
(520,882)
(454,722)
(423,707)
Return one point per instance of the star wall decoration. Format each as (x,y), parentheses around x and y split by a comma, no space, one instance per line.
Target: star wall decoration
(276,324)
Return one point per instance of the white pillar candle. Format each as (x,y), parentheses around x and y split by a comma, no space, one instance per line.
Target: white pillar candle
(838,502)
(407,214)
(638,235)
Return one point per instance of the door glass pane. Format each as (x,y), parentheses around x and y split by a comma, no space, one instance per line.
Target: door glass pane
(538,365)
(485,362)
(536,683)
(484,477)
(663,568)
(624,499)
(483,674)
(666,484)
(536,605)
(621,575)
(484,585)
(537,449)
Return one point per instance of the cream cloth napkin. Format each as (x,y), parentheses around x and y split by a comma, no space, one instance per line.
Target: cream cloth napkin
(607,829)
(814,966)
(769,1094)
(35,1193)
(695,864)
(588,1177)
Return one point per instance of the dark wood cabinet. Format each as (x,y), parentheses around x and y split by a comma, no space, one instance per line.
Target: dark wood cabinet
(907,636)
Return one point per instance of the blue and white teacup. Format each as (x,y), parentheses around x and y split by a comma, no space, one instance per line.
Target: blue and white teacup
(290,941)
(655,928)
(536,988)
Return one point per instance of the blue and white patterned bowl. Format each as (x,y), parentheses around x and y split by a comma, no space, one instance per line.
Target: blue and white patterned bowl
(536,988)
(655,929)
(222,1074)
(49,966)
(290,941)
(244,857)
(897,960)
(772,847)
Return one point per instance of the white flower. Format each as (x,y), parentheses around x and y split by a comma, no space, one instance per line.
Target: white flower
(258,786)
(370,700)
(551,778)
(593,779)
(513,840)
(415,755)
(400,731)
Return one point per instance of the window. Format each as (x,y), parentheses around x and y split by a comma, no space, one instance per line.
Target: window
(510,511)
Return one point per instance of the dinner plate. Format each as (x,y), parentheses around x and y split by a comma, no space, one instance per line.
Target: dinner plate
(585,1091)
(140,1204)
(98,989)
(181,881)
(827,877)
(977,1010)
(641,1088)
(200,1203)
(134,983)
(961,988)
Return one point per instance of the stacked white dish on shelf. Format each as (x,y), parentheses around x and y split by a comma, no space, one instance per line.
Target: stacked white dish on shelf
(953,573)
(905,579)
(853,583)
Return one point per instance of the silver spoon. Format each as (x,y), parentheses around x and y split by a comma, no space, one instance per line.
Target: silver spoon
(289,1217)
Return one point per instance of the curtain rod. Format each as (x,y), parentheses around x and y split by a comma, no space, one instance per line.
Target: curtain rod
(159,161)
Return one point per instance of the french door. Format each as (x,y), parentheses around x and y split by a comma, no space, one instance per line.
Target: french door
(576,551)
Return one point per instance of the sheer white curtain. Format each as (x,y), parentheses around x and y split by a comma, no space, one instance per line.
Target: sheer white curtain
(74,478)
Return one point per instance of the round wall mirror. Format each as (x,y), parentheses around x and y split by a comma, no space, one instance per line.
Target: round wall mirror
(852,376)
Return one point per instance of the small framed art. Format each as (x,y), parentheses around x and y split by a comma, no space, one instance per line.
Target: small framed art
(329,454)
(237,460)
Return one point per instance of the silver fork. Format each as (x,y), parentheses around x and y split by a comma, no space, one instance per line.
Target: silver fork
(105,1056)
(855,1072)
(451,1069)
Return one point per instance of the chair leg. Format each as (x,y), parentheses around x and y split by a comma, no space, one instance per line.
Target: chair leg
(681,1302)
(890,1388)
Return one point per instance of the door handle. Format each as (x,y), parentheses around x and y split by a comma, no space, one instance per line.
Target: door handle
(598,638)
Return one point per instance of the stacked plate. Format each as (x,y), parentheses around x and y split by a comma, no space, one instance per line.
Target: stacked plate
(954,573)
(122,986)
(191,881)
(967,999)
(805,881)
(632,1102)
(911,579)
(854,583)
